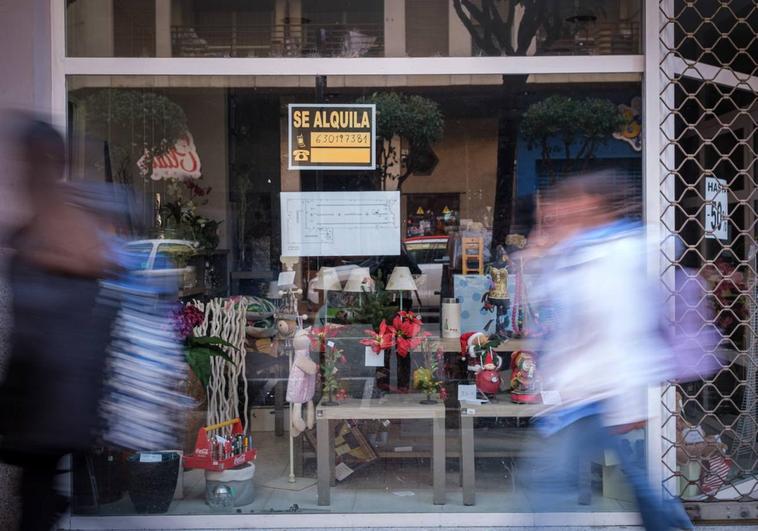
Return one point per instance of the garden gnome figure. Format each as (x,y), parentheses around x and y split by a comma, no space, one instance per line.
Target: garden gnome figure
(488,379)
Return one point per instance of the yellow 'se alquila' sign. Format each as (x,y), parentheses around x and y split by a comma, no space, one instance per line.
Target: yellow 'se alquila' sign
(332,136)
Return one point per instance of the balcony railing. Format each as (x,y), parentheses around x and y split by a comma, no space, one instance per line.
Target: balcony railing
(281,40)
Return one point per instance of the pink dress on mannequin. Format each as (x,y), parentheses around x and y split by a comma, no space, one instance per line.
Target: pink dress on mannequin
(300,386)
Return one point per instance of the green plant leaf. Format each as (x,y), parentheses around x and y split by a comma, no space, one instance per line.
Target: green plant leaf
(199,359)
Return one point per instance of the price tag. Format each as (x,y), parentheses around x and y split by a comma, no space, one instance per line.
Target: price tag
(467,393)
(330,344)
(551,398)
(150,458)
(341,471)
(374,359)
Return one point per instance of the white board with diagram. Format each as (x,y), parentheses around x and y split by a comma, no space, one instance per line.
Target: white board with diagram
(340,223)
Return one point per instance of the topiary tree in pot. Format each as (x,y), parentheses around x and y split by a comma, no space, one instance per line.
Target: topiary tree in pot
(571,127)
(402,119)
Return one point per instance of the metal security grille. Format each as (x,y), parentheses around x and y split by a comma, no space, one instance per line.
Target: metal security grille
(709,115)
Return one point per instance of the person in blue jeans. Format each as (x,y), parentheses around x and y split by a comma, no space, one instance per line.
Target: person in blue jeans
(604,347)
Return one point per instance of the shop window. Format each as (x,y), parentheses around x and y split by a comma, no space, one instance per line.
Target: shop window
(218,184)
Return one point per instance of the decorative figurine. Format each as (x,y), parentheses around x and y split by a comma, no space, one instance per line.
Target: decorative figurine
(483,363)
(488,379)
(302,384)
(524,381)
(498,294)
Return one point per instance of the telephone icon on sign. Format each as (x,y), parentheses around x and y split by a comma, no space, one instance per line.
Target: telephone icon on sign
(301,155)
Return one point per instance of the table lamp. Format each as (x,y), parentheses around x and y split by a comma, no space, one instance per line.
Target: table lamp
(359,281)
(401,280)
(327,280)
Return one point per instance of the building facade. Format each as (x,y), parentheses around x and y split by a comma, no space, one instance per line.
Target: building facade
(479,107)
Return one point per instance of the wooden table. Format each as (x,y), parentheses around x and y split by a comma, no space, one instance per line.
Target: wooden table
(503,407)
(400,406)
(454,345)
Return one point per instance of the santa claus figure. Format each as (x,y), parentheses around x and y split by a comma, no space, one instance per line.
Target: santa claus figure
(483,364)
(524,380)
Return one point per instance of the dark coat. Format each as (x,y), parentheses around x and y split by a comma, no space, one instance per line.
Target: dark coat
(49,398)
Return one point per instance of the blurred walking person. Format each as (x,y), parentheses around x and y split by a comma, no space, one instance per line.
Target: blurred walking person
(605,347)
(50,395)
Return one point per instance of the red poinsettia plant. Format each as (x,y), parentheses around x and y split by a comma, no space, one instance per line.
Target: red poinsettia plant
(380,340)
(405,334)
(408,333)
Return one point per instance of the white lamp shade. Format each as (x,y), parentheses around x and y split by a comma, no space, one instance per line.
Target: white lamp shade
(401,280)
(359,280)
(328,280)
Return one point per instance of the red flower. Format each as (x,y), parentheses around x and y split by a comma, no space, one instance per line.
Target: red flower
(406,344)
(443,393)
(407,327)
(319,336)
(341,394)
(381,340)
(187,319)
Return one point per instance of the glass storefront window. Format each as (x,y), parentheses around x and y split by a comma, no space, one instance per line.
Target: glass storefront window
(350,28)
(225,186)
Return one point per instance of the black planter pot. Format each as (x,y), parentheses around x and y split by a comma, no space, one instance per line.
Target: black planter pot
(99,477)
(152,485)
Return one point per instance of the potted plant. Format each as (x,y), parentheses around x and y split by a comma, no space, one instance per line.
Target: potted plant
(199,350)
(425,378)
(329,370)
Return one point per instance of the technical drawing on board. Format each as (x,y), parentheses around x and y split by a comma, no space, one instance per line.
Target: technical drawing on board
(340,223)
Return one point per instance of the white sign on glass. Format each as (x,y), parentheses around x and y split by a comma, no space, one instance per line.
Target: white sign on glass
(340,223)
(467,393)
(716,209)
(374,359)
(286,279)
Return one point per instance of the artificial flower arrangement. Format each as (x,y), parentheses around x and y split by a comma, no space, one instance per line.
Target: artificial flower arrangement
(405,334)
(425,379)
(329,369)
(199,349)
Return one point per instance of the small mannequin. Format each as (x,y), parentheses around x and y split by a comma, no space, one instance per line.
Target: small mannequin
(302,384)
(498,296)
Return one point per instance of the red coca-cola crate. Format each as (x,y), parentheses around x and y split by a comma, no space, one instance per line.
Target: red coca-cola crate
(204,457)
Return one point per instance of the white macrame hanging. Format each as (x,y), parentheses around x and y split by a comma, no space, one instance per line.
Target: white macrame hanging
(225,318)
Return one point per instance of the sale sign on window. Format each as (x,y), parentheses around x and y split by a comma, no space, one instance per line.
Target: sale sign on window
(716,209)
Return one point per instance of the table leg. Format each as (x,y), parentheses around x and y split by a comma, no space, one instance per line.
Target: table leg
(323,461)
(467,460)
(298,456)
(279,391)
(332,458)
(438,460)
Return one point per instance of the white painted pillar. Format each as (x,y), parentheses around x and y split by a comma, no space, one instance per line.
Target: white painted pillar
(458,36)
(394,28)
(163,28)
(657,153)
